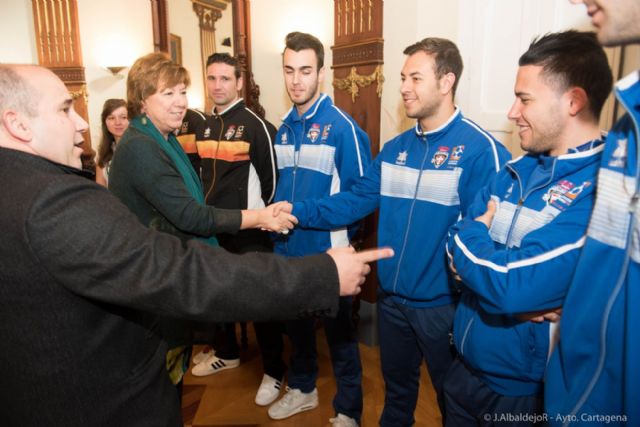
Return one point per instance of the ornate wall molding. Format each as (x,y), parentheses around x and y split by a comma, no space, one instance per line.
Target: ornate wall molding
(357,17)
(160,25)
(357,65)
(242,49)
(365,52)
(208,13)
(58,45)
(70,74)
(207,16)
(354,81)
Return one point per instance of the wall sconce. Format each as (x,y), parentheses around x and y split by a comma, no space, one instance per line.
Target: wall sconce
(116,70)
(226,42)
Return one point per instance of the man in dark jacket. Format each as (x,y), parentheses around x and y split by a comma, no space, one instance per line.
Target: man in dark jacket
(81,280)
(236,163)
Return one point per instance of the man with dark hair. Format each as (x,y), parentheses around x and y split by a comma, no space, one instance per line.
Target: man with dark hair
(236,164)
(82,281)
(320,151)
(297,41)
(516,250)
(594,375)
(423,181)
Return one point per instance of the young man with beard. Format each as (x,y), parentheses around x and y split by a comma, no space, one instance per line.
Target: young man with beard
(423,180)
(517,249)
(594,375)
(320,151)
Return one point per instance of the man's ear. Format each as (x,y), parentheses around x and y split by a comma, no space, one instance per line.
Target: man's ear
(239,83)
(578,100)
(17,125)
(446,83)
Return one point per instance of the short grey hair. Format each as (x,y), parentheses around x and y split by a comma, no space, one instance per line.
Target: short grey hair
(16,93)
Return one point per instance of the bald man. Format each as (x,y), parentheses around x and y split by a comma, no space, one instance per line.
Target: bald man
(81,281)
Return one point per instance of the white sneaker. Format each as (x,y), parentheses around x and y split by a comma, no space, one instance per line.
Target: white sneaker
(213,365)
(203,354)
(342,420)
(293,403)
(268,391)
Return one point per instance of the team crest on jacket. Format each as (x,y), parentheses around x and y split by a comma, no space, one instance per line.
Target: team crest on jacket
(562,195)
(402,158)
(440,157)
(230,131)
(619,155)
(314,132)
(456,154)
(325,132)
(185,127)
(283,138)
(239,132)
(207,132)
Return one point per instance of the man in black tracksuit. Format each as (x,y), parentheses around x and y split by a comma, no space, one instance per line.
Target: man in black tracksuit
(233,154)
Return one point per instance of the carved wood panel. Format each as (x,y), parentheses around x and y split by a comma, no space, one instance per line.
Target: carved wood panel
(358,76)
(58,45)
(207,13)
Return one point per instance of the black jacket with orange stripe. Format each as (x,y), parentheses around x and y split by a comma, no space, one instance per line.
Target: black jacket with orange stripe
(233,154)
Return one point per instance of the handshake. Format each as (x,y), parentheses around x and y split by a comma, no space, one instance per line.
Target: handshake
(277,217)
(352,266)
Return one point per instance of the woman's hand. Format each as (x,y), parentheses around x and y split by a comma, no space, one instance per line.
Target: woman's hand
(272,218)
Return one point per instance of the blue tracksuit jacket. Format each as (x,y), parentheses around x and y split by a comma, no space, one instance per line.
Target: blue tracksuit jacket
(422,182)
(523,263)
(595,371)
(319,154)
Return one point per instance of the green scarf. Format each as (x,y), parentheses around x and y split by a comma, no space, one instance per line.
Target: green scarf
(172,148)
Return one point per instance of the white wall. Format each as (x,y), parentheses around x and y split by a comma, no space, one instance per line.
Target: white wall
(271,21)
(113,33)
(18,44)
(493,35)
(432,18)
(183,22)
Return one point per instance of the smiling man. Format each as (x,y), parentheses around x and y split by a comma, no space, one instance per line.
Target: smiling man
(519,256)
(423,181)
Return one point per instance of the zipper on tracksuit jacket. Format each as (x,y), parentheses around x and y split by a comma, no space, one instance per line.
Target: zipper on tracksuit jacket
(214,161)
(413,203)
(516,214)
(524,197)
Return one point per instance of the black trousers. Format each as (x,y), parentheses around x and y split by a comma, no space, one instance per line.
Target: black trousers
(470,402)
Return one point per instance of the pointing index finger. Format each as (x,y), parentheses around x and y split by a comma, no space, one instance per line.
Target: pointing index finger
(371,255)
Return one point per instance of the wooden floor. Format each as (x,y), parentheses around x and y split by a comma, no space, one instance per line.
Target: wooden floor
(226,398)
